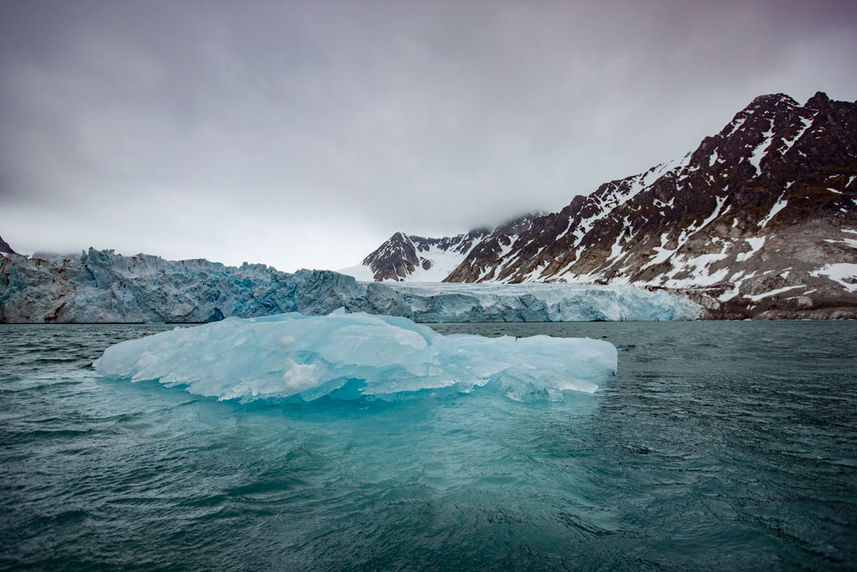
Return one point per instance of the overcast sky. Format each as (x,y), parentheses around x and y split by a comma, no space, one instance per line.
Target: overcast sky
(303,134)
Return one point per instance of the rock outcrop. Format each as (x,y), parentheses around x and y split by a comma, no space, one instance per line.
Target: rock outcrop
(4,247)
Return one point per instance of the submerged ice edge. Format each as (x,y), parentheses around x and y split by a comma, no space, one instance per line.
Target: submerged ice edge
(353,356)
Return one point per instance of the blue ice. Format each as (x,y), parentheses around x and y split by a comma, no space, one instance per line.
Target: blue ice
(355,355)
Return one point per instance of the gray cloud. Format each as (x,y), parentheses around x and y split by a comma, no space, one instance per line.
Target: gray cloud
(304,133)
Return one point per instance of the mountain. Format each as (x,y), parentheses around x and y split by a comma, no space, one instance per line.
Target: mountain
(759,221)
(421,259)
(427,259)
(4,247)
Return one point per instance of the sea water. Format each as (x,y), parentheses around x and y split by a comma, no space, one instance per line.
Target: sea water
(718,445)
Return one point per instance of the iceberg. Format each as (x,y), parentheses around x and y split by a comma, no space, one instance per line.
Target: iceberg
(355,356)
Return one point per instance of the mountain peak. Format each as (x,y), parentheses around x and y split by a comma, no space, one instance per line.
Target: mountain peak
(399,237)
(818,100)
(4,247)
(772,100)
(763,109)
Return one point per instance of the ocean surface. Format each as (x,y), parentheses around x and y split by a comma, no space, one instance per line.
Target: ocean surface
(718,445)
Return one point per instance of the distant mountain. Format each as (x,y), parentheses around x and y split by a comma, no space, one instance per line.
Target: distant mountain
(759,221)
(423,259)
(4,247)
(426,259)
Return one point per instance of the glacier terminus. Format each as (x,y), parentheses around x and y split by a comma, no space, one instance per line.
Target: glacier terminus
(103,286)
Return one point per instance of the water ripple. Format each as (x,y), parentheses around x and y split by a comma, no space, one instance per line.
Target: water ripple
(717,445)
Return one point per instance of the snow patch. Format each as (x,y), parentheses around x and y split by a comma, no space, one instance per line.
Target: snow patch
(806,124)
(850,242)
(756,243)
(736,123)
(845,273)
(778,206)
(565,232)
(662,253)
(713,158)
(757,297)
(442,263)
(762,149)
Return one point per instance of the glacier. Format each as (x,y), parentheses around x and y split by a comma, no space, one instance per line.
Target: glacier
(541,302)
(354,356)
(103,286)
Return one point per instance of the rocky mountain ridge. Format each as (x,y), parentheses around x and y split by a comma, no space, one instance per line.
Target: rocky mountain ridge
(759,221)
(4,247)
(430,259)
(403,255)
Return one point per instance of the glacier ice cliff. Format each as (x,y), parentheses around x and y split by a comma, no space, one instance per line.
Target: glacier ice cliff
(540,302)
(102,286)
(352,356)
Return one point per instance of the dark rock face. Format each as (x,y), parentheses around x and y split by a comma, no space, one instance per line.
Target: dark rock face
(759,221)
(4,247)
(394,259)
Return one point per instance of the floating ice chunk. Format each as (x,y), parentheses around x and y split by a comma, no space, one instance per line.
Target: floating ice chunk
(354,355)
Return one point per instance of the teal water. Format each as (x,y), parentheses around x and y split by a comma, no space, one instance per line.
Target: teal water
(718,445)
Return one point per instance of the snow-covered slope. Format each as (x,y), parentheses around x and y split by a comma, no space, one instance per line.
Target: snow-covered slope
(419,259)
(759,221)
(102,286)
